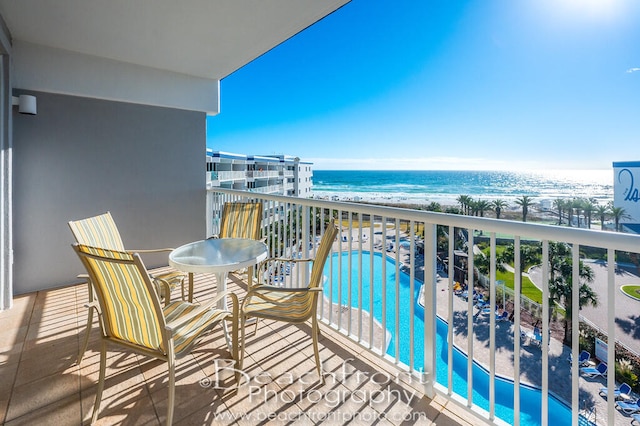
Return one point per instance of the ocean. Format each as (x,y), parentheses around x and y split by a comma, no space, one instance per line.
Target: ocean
(445,187)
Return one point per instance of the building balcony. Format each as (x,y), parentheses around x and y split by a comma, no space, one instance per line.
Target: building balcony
(228,175)
(398,345)
(42,384)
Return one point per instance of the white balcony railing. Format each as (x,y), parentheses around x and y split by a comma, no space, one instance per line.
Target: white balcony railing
(228,175)
(262,174)
(374,294)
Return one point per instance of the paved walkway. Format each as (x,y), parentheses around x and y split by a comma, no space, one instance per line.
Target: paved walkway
(627,309)
(530,356)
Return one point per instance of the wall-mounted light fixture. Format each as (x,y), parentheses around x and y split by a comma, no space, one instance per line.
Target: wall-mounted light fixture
(26,104)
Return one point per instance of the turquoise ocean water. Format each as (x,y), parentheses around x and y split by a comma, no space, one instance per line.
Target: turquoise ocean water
(446,186)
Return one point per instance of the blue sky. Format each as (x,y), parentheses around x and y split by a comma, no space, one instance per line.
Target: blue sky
(443,84)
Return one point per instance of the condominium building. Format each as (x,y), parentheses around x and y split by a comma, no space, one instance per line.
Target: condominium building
(265,174)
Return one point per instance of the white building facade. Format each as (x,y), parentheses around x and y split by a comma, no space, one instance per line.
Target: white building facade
(264,174)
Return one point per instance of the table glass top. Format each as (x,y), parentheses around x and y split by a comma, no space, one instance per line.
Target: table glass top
(218,253)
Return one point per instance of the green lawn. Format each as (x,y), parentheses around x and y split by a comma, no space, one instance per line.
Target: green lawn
(632,290)
(528,288)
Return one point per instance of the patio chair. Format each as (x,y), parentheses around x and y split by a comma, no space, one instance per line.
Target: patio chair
(635,419)
(291,304)
(629,407)
(101,231)
(624,389)
(133,318)
(241,220)
(600,370)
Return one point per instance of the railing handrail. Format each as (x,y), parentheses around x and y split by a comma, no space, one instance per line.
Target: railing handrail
(606,239)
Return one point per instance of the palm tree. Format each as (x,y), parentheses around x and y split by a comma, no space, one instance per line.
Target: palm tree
(464,201)
(588,207)
(602,212)
(525,201)
(561,290)
(434,207)
(481,206)
(559,204)
(498,205)
(568,205)
(578,203)
(619,214)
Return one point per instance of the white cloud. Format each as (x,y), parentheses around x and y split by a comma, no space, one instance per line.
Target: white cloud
(630,70)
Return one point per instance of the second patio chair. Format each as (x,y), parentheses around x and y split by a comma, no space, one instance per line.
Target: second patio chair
(241,220)
(131,315)
(101,231)
(291,304)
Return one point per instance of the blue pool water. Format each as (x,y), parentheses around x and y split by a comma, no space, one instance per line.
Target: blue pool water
(531,398)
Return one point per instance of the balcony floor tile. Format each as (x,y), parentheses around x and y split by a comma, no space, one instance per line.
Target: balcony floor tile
(41,382)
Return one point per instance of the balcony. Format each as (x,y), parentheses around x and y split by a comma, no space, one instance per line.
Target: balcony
(42,384)
(228,175)
(376,365)
(264,174)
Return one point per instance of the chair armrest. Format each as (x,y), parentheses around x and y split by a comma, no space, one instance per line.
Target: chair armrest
(261,292)
(143,251)
(264,287)
(164,285)
(285,259)
(212,304)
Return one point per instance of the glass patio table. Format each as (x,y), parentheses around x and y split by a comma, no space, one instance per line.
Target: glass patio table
(218,256)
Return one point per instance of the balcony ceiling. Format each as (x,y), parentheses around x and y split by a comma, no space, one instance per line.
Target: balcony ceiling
(204,38)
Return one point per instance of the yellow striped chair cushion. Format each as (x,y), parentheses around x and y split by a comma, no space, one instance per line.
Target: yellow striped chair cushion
(241,220)
(284,306)
(127,302)
(186,335)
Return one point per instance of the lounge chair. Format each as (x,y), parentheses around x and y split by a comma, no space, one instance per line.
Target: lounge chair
(629,407)
(504,316)
(583,358)
(624,389)
(636,418)
(600,370)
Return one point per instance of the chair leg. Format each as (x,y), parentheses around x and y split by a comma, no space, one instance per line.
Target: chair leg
(234,335)
(87,332)
(243,320)
(315,331)
(103,367)
(172,388)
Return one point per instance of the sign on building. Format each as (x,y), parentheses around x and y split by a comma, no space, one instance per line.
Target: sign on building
(626,189)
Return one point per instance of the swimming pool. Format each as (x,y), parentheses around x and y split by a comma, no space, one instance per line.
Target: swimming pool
(531,398)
